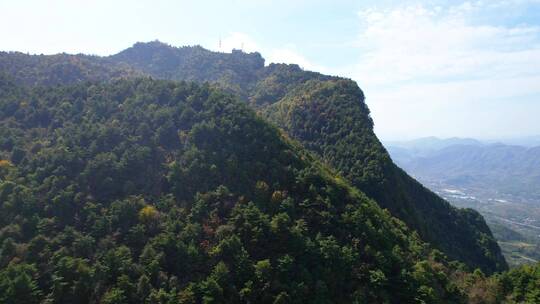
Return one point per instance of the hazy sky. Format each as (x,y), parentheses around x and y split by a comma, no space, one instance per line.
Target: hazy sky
(444,68)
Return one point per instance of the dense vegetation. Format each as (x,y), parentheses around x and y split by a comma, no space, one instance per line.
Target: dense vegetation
(331,119)
(520,285)
(160,192)
(328,115)
(60,69)
(243,74)
(167,192)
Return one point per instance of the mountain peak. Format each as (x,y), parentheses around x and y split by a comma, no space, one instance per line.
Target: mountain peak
(325,114)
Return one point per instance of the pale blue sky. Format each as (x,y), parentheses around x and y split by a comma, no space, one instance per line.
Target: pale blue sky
(443,68)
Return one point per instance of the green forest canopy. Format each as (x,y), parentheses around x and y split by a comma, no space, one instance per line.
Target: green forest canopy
(203,201)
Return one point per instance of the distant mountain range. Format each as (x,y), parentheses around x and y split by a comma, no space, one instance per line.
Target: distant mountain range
(526,141)
(500,180)
(469,163)
(426,144)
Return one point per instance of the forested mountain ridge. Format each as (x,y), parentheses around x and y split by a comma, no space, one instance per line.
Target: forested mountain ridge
(150,191)
(147,191)
(60,69)
(244,74)
(329,116)
(236,71)
(350,145)
(331,119)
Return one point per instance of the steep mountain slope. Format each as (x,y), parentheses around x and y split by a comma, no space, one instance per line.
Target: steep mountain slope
(159,192)
(328,116)
(331,119)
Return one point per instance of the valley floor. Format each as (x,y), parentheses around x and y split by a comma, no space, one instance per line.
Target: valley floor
(515,222)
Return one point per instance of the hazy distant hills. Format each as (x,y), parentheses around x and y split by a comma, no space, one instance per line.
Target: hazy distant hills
(526,141)
(501,181)
(470,163)
(427,144)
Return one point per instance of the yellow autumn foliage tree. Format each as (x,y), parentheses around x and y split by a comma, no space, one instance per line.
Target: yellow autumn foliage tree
(148,214)
(5,167)
(5,163)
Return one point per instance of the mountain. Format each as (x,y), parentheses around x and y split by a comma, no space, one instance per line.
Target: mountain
(328,116)
(526,141)
(148,190)
(351,148)
(332,120)
(504,168)
(495,179)
(240,73)
(405,150)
